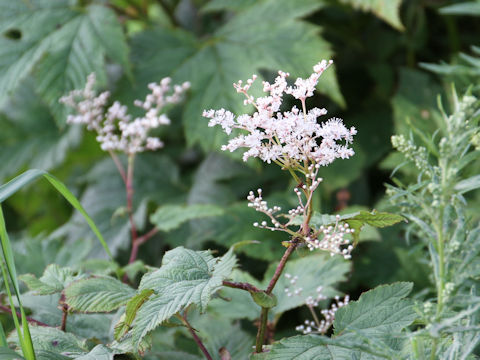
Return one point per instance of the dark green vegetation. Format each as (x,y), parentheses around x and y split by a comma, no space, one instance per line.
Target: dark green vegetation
(392,59)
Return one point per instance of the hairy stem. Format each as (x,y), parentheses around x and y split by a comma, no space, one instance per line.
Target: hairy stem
(264,314)
(197,340)
(278,271)
(241,285)
(261,330)
(63,326)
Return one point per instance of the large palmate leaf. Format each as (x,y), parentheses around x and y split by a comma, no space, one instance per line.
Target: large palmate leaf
(53,280)
(387,10)
(57,42)
(369,328)
(268,34)
(186,277)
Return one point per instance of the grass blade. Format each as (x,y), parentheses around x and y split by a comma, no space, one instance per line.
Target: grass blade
(29,176)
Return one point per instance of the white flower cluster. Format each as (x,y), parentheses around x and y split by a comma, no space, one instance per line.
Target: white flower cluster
(116,131)
(322,326)
(332,239)
(285,137)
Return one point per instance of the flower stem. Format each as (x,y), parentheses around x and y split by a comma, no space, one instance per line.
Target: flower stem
(281,265)
(129,190)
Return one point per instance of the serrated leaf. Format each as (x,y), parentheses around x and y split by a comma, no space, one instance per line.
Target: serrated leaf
(169,217)
(377,219)
(52,339)
(363,329)
(98,294)
(186,277)
(53,280)
(254,39)
(378,312)
(99,352)
(60,44)
(387,10)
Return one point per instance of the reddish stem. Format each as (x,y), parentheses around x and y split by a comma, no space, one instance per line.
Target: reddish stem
(281,265)
(129,190)
(198,341)
(243,286)
(19,314)
(144,238)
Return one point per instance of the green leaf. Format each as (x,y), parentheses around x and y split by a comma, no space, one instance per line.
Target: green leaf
(186,277)
(387,10)
(53,280)
(60,44)
(9,354)
(98,294)
(264,300)
(53,339)
(30,137)
(99,352)
(169,217)
(469,8)
(376,219)
(469,184)
(363,329)
(29,176)
(131,309)
(315,270)
(267,35)
(382,312)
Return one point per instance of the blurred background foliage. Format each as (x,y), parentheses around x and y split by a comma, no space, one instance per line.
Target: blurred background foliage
(392,59)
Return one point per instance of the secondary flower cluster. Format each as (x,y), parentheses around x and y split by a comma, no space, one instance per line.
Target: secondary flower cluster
(318,326)
(116,131)
(285,137)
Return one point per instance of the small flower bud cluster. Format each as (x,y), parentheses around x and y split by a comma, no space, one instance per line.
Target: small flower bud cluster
(116,131)
(418,155)
(333,239)
(285,137)
(313,301)
(261,205)
(322,326)
(292,281)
